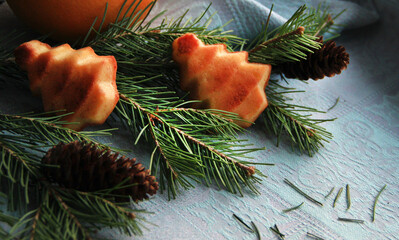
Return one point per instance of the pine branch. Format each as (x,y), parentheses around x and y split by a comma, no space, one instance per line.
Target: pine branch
(70,214)
(291,46)
(293,40)
(18,169)
(143,50)
(186,147)
(102,212)
(62,214)
(46,128)
(281,116)
(10,221)
(83,232)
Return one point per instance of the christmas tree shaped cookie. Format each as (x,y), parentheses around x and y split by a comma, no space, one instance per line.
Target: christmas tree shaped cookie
(220,79)
(77,81)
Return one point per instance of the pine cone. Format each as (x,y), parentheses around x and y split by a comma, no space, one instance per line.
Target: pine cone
(86,168)
(326,61)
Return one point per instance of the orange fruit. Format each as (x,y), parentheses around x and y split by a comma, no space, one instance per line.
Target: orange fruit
(69,20)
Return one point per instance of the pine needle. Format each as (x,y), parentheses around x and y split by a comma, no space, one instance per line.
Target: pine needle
(351,220)
(348,197)
(333,106)
(293,208)
(256,230)
(376,201)
(329,193)
(302,193)
(277,232)
(248,228)
(337,197)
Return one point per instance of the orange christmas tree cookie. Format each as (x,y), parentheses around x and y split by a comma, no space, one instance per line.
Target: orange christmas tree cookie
(220,79)
(77,81)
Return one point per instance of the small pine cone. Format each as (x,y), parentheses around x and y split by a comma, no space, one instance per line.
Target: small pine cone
(84,167)
(326,61)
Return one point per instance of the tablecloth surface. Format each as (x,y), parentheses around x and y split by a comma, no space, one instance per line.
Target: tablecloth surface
(364,152)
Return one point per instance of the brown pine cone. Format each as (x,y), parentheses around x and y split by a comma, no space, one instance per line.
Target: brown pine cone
(84,167)
(326,61)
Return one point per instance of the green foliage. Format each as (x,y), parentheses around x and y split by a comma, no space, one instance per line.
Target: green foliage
(70,214)
(144,50)
(289,47)
(284,118)
(10,221)
(18,169)
(294,39)
(47,128)
(292,42)
(60,213)
(189,144)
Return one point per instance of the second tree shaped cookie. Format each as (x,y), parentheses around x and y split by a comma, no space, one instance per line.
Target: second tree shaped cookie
(220,79)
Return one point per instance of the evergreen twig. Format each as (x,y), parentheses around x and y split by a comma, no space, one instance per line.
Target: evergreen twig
(290,47)
(283,117)
(294,39)
(47,128)
(191,144)
(292,42)
(62,214)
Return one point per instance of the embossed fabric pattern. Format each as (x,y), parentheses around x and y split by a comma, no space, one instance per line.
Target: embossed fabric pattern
(364,152)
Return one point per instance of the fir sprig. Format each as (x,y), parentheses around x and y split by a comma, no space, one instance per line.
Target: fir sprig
(60,213)
(10,221)
(188,143)
(291,41)
(289,47)
(46,127)
(142,49)
(283,117)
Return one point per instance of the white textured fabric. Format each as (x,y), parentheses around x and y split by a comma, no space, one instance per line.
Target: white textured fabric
(364,152)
